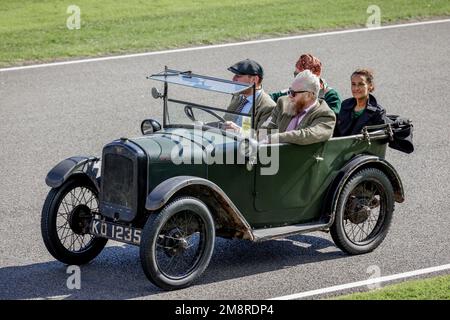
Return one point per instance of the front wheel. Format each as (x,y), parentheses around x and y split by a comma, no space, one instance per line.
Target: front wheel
(364,212)
(177,244)
(66,216)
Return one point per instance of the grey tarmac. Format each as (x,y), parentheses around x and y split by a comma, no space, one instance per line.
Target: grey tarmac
(51,113)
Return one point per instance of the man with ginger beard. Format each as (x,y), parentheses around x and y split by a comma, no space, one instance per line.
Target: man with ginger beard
(301,117)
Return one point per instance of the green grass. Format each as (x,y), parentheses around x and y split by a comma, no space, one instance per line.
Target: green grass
(35,30)
(437,288)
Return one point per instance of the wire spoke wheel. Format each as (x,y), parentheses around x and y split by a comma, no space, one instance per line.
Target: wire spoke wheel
(66,216)
(74,216)
(180,245)
(177,243)
(364,212)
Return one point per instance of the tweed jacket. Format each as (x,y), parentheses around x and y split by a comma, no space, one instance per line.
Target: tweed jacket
(317,125)
(264,106)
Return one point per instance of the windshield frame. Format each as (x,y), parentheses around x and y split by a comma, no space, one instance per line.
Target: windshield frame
(206,83)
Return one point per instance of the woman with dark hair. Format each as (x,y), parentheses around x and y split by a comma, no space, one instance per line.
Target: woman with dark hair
(361,110)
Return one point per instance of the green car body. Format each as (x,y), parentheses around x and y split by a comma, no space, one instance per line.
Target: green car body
(196,180)
(294,195)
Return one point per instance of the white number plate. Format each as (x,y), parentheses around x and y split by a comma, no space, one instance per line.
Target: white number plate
(116,232)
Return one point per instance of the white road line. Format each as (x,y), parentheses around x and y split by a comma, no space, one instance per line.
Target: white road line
(363,283)
(63,297)
(313,35)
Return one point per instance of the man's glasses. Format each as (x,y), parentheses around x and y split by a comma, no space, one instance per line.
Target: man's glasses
(292,93)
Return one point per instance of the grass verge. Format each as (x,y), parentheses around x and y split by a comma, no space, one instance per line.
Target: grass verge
(437,288)
(36,30)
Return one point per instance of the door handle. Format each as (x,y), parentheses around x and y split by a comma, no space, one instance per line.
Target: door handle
(318,158)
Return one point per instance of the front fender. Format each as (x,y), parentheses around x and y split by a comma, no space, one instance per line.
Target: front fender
(226,215)
(70,166)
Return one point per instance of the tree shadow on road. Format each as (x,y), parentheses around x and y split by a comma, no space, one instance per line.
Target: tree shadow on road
(116,273)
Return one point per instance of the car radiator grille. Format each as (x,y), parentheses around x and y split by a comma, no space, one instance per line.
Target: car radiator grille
(117,180)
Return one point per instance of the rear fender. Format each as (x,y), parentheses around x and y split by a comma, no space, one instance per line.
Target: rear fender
(87,166)
(356,164)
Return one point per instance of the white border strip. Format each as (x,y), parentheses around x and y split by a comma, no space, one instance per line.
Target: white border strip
(225,45)
(364,283)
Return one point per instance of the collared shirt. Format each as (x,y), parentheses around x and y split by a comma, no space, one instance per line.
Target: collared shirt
(295,121)
(247,106)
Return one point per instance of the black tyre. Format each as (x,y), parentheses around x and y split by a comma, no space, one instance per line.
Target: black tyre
(364,212)
(66,215)
(177,244)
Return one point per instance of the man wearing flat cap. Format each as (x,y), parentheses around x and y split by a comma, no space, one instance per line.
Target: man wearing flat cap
(301,117)
(248,71)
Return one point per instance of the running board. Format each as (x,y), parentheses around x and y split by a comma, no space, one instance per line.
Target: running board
(281,232)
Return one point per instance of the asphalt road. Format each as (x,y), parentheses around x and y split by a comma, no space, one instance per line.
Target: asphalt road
(51,113)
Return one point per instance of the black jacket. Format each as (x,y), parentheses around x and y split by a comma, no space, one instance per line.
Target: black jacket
(346,125)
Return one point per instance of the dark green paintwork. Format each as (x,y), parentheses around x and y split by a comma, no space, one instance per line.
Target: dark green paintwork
(293,195)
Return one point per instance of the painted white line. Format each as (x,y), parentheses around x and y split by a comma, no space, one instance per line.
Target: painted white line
(65,296)
(313,35)
(363,283)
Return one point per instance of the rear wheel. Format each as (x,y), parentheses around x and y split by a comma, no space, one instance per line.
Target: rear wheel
(66,216)
(364,212)
(177,244)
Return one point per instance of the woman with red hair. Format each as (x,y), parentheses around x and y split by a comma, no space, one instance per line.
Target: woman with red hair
(309,62)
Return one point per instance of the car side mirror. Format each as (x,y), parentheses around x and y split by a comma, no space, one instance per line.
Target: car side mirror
(156,94)
(149,126)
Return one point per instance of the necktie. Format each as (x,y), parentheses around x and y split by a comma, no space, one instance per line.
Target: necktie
(238,119)
(242,102)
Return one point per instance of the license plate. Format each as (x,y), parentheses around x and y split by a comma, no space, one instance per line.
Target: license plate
(116,232)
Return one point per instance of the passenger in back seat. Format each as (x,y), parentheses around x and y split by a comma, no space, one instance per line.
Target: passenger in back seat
(362,109)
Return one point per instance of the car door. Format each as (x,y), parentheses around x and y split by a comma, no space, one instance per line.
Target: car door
(291,193)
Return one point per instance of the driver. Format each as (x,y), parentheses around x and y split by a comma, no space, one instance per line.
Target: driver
(248,71)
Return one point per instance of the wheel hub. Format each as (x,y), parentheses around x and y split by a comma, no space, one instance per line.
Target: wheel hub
(175,243)
(360,216)
(80,218)
(357,213)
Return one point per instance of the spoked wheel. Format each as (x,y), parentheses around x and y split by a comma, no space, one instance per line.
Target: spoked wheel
(177,244)
(364,212)
(66,216)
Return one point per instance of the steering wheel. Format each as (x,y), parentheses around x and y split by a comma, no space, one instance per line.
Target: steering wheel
(190,114)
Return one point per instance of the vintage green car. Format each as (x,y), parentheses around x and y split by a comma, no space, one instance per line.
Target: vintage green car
(174,189)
